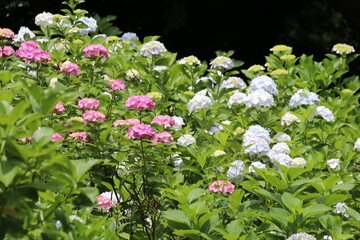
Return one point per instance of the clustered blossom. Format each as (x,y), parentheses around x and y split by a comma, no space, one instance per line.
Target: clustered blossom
(357,145)
(163,137)
(164,120)
(301,236)
(237,98)
(6,33)
(130,121)
(342,48)
(93,116)
(218,153)
(280,48)
(95,50)
(89,103)
(44,19)
(222,186)
(258,165)
(6,51)
(190,60)
(30,50)
(106,200)
(81,136)
(132,73)
(59,108)
(279,157)
(152,48)
(70,68)
(186,140)
(281,137)
(256,68)
(154,95)
(341,208)
(256,140)
(179,122)
(116,85)
(20,37)
(233,82)
(199,102)
(222,62)
(56,137)
(141,131)
(259,98)
(303,97)
(325,113)
(334,163)
(237,169)
(289,118)
(281,148)
(298,162)
(89,22)
(129,36)
(140,103)
(160,68)
(265,83)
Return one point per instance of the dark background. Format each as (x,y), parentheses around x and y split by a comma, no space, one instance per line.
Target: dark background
(197,27)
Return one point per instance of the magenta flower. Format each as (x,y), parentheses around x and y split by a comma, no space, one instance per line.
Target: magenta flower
(163,137)
(95,50)
(141,131)
(70,68)
(25,140)
(30,50)
(140,103)
(56,137)
(88,103)
(222,186)
(104,202)
(164,120)
(93,116)
(130,121)
(6,51)
(116,84)
(59,108)
(6,33)
(81,136)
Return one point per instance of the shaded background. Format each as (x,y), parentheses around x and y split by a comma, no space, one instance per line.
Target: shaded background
(197,27)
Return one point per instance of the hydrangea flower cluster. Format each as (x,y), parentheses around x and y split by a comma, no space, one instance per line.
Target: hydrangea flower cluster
(341,208)
(237,169)
(199,102)
(334,163)
(59,108)
(89,22)
(222,63)
(190,60)
(303,97)
(163,137)
(301,236)
(95,50)
(222,186)
(325,113)
(342,48)
(265,83)
(186,140)
(140,103)
(357,145)
(56,137)
(152,48)
(93,116)
(6,33)
(288,119)
(164,120)
(130,121)
(116,85)
(44,19)
(141,131)
(107,200)
(89,103)
(179,122)
(6,51)
(81,136)
(298,162)
(233,82)
(281,137)
(70,68)
(257,140)
(237,98)
(258,165)
(259,98)
(30,50)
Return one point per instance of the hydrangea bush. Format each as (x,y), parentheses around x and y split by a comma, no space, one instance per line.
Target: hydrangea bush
(113,137)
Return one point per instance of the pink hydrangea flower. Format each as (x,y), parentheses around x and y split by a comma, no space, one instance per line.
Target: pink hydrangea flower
(163,137)
(6,51)
(141,131)
(116,84)
(95,50)
(30,50)
(104,202)
(59,108)
(140,103)
(164,120)
(88,103)
(222,186)
(93,116)
(70,68)
(81,136)
(130,121)
(6,33)
(25,140)
(56,137)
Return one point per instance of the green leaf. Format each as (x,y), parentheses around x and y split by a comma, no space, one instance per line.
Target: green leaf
(292,203)
(177,219)
(90,192)
(314,210)
(192,234)
(5,76)
(8,171)
(82,166)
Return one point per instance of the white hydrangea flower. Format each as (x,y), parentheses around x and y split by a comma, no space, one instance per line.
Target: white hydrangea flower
(259,98)
(325,113)
(177,161)
(190,60)
(289,118)
(357,145)
(281,148)
(44,19)
(265,83)
(341,208)
(152,48)
(258,139)
(303,97)
(58,224)
(258,165)
(20,37)
(342,48)
(89,22)
(160,68)
(236,170)
(218,153)
(327,237)
(233,82)
(132,73)
(334,163)
(216,128)
(301,236)
(237,98)
(280,158)
(112,196)
(186,140)
(179,122)
(298,162)
(53,82)
(204,79)
(281,137)
(199,102)
(77,218)
(222,62)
